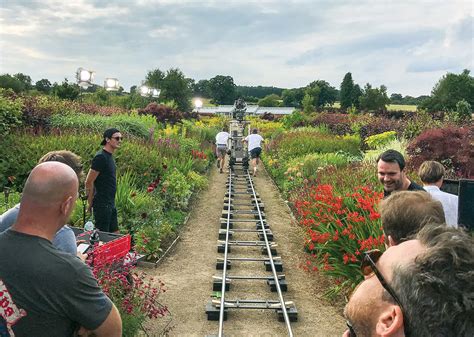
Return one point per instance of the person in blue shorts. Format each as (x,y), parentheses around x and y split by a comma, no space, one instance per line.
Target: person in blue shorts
(254,145)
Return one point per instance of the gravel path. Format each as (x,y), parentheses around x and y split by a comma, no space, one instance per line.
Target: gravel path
(187,272)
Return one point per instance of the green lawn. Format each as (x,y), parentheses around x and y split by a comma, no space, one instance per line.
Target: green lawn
(389,107)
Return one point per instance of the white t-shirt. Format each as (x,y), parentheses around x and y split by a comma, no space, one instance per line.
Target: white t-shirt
(449,202)
(222,137)
(254,140)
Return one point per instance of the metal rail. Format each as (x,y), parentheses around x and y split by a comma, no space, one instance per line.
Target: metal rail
(224,269)
(234,187)
(270,257)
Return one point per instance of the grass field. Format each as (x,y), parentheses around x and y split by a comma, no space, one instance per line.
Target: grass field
(389,107)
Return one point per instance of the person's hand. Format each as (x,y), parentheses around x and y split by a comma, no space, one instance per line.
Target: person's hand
(83,257)
(78,242)
(83,332)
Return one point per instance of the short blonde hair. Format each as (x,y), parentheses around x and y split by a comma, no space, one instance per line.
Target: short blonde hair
(431,171)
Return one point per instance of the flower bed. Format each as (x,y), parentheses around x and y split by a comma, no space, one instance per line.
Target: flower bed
(339,228)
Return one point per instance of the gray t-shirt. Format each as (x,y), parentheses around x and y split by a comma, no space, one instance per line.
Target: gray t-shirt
(64,239)
(46,292)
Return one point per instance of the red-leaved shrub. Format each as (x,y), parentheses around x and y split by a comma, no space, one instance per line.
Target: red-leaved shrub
(452,146)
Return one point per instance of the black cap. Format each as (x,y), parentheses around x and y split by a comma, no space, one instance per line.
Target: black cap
(108,134)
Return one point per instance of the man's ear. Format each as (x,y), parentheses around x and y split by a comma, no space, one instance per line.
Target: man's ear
(390,322)
(391,241)
(67,205)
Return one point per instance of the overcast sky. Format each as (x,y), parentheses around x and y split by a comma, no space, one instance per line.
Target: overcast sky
(406,44)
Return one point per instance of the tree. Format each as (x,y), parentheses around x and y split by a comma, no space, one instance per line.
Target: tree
(356,94)
(346,95)
(201,89)
(397,98)
(43,85)
(154,78)
(322,93)
(9,82)
(270,101)
(222,89)
(25,79)
(293,97)
(449,90)
(66,90)
(307,103)
(174,86)
(374,98)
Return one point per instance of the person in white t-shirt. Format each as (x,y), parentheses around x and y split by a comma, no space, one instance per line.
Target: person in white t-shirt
(431,174)
(254,141)
(221,148)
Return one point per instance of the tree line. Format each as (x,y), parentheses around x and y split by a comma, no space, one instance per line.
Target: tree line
(177,91)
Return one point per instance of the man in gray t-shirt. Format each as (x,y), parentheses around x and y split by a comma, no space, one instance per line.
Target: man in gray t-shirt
(43,291)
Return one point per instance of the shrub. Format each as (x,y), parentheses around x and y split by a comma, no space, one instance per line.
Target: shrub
(176,190)
(371,156)
(297,143)
(463,110)
(452,146)
(421,121)
(10,115)
(338,124)
(381,139)
(135,295)
(162,113)
(296,119)
(339,228)
(132,126)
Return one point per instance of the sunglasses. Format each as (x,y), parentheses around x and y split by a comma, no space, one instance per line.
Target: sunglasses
(117,138)
(368,267)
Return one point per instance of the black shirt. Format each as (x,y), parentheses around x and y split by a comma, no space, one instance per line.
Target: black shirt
(105,184)
(412,187)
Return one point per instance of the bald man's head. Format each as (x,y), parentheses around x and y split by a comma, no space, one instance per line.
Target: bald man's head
(50,183)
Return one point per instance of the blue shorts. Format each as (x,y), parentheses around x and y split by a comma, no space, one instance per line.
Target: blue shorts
(255,152)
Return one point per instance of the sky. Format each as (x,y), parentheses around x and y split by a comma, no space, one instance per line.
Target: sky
(407,45)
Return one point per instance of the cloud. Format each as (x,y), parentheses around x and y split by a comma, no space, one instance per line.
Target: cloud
(405,45)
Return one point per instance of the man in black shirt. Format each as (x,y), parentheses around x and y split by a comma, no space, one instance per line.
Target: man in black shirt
(101,183)
(391,173)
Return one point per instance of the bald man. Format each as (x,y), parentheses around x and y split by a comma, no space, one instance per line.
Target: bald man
(43,291)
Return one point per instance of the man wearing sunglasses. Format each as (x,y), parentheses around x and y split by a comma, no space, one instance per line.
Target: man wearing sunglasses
(101,183)
(421,287)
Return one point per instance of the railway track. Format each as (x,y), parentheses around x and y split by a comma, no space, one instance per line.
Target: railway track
(243,217)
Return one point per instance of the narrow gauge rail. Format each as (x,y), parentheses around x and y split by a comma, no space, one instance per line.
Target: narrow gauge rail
(241,194)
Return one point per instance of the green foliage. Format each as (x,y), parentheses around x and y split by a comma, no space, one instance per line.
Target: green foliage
(297,118)
(380,139)
(148,241)
(197,181)
(10,82)
(374,98)
(43,85)
(131,125)
(222,89)
(293,97)
(421,121)
(371,156)
(177,190)
(10,115)
(174,86)
(449,90)
(463,110)
(347,87)
(297,143)
(270,101)
(308,100)
(322,92)
(66,90)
